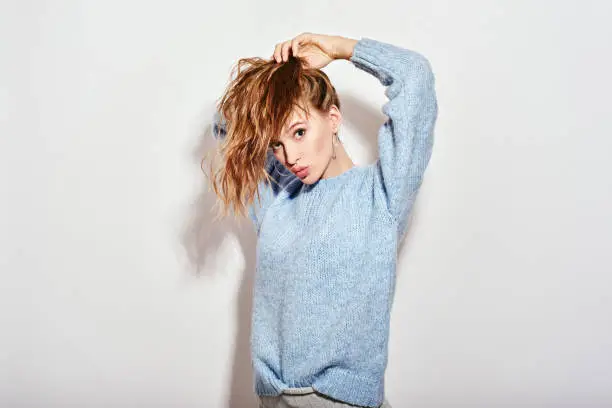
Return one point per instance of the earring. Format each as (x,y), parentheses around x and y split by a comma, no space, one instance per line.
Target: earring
(333,146)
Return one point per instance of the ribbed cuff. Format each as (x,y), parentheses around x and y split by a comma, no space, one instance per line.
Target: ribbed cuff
(219,126)
(387,61)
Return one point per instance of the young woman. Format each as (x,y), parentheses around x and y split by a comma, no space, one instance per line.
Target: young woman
(328,231)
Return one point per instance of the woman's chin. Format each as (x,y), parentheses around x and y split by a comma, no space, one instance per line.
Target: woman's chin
(309,179)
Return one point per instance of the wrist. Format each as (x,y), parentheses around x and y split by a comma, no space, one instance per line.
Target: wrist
(345,48)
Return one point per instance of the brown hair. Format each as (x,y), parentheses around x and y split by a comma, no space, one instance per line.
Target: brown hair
(255,105)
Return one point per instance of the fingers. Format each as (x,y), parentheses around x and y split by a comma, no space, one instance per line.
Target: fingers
(300,39)
(281,50)
(277,54)
(285,50)
(295,43)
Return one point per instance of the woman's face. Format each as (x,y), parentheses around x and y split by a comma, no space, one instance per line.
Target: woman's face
(305,145)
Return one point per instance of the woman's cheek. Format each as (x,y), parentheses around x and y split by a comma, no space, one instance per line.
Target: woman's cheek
(320,145)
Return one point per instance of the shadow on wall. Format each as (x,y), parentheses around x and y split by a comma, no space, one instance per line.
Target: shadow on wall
(202,237)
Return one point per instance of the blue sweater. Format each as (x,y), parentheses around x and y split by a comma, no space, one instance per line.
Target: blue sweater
(327,252)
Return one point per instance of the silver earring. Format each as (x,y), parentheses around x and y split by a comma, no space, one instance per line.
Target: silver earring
(333,146)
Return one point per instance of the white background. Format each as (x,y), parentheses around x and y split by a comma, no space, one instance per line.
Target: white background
(118,290)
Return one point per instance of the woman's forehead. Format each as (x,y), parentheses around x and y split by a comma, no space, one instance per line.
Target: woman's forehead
(299,116)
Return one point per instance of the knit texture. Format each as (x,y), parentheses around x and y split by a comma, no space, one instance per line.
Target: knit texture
(327,252)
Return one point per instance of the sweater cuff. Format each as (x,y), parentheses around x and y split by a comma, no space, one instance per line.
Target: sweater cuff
(367,51)
(219,126)
(384,61)
(387,61)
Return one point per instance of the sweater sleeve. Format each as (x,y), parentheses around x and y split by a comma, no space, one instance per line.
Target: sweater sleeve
(405,140)
(285,180)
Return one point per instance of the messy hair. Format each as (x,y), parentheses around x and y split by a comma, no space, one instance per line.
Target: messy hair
(255,106)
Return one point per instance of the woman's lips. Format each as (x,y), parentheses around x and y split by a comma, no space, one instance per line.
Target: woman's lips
(302,173)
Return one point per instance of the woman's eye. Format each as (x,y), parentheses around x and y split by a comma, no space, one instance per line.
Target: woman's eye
(298,133)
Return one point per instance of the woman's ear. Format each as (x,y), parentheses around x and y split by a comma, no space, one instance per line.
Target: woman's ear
(336,117)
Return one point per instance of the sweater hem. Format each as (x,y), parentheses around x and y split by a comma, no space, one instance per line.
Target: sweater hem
(338,383)
(335,382)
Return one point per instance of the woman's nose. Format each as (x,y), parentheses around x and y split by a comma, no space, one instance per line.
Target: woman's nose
(291,155)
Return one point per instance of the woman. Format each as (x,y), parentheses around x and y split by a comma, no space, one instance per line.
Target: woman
(328,231)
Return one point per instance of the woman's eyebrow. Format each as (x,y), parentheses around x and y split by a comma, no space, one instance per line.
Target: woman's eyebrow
(295,124)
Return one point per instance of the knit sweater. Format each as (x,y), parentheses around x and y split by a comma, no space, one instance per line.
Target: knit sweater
(327,252)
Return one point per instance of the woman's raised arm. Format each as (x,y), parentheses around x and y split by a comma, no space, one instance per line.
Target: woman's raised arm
(405,140)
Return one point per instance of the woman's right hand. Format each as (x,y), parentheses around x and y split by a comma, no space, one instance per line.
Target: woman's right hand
(317,50)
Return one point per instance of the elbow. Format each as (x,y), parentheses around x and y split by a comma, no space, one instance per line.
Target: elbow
(219,127)
(424,71)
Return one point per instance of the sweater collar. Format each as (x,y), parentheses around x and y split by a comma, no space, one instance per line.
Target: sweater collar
(331,182)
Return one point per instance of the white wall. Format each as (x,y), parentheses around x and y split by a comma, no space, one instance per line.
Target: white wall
(116,289)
